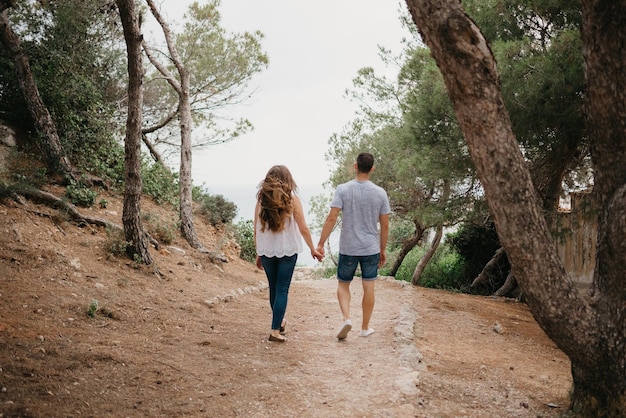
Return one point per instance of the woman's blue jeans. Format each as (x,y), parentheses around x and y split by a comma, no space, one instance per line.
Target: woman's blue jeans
(279,271)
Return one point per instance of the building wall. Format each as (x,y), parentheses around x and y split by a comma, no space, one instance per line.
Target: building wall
(576,239)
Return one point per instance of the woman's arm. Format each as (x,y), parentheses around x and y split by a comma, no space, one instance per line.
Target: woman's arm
(298,215)
(256,219)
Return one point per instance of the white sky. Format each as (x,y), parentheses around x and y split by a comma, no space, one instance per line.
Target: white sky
(315,50)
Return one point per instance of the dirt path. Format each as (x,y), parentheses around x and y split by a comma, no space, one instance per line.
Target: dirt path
(475,366)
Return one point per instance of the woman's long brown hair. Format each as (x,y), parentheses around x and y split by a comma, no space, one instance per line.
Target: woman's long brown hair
(275,197)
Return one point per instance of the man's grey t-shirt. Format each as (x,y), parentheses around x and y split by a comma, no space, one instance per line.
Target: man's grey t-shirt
(362,203)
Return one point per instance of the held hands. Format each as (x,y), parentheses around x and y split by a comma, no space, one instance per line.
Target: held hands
(259,265)
(316,254)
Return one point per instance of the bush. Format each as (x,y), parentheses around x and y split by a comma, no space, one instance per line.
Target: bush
(244,235)
(116,243)
(159,183)
(476,245)
(80,195)
(444,271)
(216,208)
(26,169)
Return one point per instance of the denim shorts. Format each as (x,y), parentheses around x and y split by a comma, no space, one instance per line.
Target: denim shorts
(346,267)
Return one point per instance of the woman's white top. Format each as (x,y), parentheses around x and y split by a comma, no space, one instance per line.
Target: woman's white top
(279,244)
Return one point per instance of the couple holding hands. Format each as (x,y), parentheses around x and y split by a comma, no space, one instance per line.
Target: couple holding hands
(279,227)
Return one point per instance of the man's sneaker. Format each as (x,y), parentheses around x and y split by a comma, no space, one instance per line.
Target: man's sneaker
(345,329)
(366,332)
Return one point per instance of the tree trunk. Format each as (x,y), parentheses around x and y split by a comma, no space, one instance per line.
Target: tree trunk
(592,336)
(421,266)
(482,277)
(602,389)
(509,285)
(407,246)
(182,87)
(185,182)
(131,217)
(57,160)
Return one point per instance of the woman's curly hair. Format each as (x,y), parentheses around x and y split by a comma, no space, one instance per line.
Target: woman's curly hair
(275,197)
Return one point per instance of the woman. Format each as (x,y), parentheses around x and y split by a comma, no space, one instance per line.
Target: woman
(279,227)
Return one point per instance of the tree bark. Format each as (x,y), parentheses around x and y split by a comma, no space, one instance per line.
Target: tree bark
(592,336)
(482,277)
(57,160)
(133,228)
(407,246)
(509,285)
(421,266)
(182,88)
(603,388)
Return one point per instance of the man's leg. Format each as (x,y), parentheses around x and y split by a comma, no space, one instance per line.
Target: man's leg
(345,272)
(343,296)
(369,268)
(368,302)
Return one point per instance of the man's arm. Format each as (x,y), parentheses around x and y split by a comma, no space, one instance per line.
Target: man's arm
(384,235)
(329,224)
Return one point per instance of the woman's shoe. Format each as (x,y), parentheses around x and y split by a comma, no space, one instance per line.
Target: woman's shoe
(282,327)
(277,339)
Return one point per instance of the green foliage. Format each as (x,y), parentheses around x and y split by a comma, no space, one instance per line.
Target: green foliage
(476,245)
(220,65)
(93,309)
(444,271)
(80,195)
(215,207)
(163,231)
(116,243)
(159,183)
(25,169)
(72,49)
(244,235)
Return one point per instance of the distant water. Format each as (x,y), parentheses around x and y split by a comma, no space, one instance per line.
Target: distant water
(245,199)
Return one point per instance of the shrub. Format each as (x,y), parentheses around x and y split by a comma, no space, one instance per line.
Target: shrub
(444,271)
(80,195)
(244,235)
(164,233)
(216,208)
(476,245)
(159,183)
(116,243)
(26,169)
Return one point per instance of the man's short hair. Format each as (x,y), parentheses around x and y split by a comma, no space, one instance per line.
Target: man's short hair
(365,162)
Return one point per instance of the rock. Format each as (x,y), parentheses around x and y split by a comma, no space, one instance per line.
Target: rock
(176,250)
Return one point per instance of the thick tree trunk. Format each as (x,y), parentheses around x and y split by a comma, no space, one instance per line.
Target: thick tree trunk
(131,217)
(602,389)
(407,246)
(421,266)
(57,160)
(593,337)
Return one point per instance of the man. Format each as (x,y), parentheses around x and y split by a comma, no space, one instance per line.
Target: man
(364,205)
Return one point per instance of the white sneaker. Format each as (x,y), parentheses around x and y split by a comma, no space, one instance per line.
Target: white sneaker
(366,332)
(345,329)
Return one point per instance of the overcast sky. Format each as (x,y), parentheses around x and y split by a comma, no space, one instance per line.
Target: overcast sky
(315,50)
